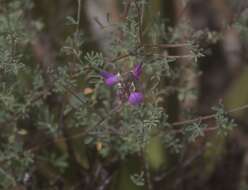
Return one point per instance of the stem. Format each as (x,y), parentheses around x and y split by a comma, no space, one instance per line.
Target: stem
(166,45)
(207,117)
(147,173)
(35,148)
(127,7)
(139,22)
(78,16)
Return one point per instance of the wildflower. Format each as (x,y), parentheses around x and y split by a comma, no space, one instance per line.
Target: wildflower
(137,71)
(135,98)
(110,78)
(126,91)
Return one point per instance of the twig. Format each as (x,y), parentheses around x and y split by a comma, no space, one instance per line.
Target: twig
(188,56)
(139,22)
(74,94)
(32,101)
(80,172)
(166,45)
(105,183)
(35,148)
(179,56)
(78,16)
(184,9)
(127,7)
(207,117)
(183,165)
(99,22)
(147,173)
(179,123)
(119,58)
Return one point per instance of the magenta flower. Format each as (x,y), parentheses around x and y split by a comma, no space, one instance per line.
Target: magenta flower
(135,98)
(126,91)
(137,71)
(110,78)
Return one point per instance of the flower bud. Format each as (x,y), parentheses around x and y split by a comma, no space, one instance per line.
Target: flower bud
(135,98)
(110,78)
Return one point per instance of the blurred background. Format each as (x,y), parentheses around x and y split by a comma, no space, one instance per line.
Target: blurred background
(211,162)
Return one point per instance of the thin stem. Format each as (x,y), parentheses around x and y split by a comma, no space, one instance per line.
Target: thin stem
(119,58)
(207,117)
(147,172)
(180,123)
(74,94)
(126,10)
(69,145)
(166,45)
(78,15)
(187,56)
(33,149)
(105,182)
(139,22)
(180,164)
(142,13)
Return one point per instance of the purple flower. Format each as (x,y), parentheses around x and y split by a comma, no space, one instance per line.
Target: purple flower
(137,71)
(135,98)
(110,78)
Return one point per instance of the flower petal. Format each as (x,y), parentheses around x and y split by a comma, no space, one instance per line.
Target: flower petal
(106,74)
(136,98)
(110,81)
(137,70)
(110,78)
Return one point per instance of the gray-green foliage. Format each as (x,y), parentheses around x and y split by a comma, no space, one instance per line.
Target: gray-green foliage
(138,179)
(224,123)
(13,103)
(34,100)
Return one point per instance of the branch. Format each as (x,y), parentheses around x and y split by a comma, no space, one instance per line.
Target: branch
(147,172)
(181,164)
(36,148)
(187,56)
(80,171)
(207,117)
(127,7)
(166,45)
(105,183)
(78,16)
(139,22)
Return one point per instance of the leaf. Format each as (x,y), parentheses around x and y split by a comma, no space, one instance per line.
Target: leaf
(71,20)
(138,179)
(22,132)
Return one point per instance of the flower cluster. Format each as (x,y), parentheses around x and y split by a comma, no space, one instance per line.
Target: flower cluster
(126,88)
